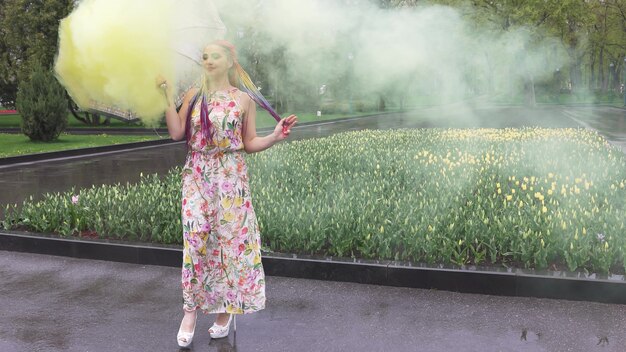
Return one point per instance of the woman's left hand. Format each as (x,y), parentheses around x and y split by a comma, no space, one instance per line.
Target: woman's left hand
(283,128)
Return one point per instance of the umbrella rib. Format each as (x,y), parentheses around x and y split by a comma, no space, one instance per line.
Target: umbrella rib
(195,27)
(188,56)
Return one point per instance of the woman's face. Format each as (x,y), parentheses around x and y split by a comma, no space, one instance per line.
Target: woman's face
(216,61)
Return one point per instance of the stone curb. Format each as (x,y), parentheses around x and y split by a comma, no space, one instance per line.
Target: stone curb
(163,130)
(514,282)
(93,131)
(29,158)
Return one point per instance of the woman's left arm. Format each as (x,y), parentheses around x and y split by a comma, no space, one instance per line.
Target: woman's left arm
(253,143)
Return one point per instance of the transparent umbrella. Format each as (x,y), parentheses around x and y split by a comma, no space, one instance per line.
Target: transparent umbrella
(111,51)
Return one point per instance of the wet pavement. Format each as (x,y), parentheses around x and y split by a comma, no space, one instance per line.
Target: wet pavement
(37,178)
(611,123)
(20,181)
(64,304)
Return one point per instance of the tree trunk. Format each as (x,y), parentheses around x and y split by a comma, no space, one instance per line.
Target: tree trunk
(87,118)
(615,79)
(381,102)
(603,78)
(592,70)
(575,68)
(576,75)
(529,85)
(529,91)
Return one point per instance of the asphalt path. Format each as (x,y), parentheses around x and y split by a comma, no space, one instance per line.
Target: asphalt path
(18,182)
(55,304)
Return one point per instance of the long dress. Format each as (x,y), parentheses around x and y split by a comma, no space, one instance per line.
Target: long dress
(222,270)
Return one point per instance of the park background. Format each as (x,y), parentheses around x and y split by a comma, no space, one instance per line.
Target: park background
(496,156)
(525,194)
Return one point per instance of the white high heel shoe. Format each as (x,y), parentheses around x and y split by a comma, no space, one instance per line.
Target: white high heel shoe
(184,338)
(219,331)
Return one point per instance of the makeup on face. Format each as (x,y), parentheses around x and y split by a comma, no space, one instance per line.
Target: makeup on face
(214,56)
(215,60)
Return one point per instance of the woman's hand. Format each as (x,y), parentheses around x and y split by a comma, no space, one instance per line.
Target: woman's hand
(162,84)
(283,127)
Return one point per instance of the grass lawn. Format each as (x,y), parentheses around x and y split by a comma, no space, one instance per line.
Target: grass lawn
(8,121)
(19,144)
(12,144)
(263,120)
(563,99)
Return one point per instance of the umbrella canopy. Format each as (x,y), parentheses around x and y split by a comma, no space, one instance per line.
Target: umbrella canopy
(111,52)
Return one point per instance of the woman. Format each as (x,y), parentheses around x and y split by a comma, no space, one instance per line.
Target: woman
(222,271)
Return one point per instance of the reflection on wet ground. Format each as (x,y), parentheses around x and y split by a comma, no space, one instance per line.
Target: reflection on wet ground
(66,304)
(39,178)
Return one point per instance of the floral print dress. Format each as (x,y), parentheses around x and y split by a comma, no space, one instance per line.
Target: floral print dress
(222,270)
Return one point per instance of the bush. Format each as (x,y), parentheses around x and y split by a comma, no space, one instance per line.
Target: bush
(42,103)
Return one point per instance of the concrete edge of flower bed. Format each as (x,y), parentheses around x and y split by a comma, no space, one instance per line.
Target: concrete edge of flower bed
(29,158)
(511,282)
(573,104)
(107,130)
(163,130)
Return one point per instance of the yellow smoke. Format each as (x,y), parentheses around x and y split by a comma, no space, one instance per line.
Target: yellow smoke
(111,51)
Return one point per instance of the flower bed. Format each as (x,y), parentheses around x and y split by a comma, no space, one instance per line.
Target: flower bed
(528,197)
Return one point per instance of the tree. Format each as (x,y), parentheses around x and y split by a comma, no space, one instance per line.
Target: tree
(38,22)
(86,117)
(28,37)
(399,3)
(607,45)
(42,103)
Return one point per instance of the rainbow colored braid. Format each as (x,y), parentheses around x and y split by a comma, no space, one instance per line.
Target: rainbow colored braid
(242,81)
(247,86)
(205,122)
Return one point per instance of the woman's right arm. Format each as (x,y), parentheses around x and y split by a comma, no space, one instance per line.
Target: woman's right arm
(176,120)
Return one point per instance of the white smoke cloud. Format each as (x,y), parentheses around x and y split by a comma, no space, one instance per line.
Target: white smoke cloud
(428,50)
